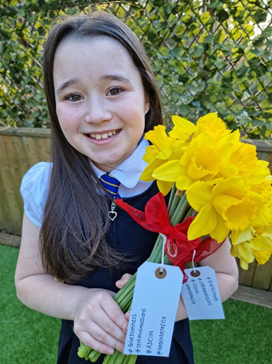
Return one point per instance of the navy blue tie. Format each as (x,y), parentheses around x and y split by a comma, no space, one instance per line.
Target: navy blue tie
(111,184)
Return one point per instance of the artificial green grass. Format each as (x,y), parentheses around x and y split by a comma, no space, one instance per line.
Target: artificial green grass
(28,337)
(243,337)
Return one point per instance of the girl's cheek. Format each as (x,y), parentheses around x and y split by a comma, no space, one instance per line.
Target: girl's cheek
(67,118)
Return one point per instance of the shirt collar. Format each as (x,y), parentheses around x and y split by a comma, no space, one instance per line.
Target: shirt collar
(129,171)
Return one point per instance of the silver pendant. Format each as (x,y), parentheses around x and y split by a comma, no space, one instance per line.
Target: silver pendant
(112,214)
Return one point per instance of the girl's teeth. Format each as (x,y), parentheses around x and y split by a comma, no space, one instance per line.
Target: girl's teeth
(103,136)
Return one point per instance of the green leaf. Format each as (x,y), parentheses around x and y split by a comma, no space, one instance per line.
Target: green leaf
(259,16)
(205,17)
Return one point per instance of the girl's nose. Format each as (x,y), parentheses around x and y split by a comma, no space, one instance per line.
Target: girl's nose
(97,111)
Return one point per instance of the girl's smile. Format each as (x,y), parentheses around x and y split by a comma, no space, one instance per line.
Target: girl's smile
(100,99)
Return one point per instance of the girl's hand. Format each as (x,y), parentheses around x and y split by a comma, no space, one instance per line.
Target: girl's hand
(99,322)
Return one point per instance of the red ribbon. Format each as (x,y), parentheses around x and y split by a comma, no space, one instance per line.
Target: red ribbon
(178,248)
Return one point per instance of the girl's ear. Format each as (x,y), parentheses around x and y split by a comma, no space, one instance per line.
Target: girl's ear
(147,104)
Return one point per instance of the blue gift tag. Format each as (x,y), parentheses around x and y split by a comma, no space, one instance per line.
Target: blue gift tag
(201,294)
(153,311)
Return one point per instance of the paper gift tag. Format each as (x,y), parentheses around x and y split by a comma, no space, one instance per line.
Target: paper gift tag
(201,294)
(153,311)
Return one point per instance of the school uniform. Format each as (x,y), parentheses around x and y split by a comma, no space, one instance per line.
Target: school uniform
(124,235)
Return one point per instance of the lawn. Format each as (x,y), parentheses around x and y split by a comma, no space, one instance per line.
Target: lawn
(28,337)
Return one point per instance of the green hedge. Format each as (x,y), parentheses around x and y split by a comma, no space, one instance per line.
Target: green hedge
(208,56)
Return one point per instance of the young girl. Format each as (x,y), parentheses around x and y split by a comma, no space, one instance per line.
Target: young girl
(102,98)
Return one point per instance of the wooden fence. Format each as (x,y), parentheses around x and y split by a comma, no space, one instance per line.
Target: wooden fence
(21,148)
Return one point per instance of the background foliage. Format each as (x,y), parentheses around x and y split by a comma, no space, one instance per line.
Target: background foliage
(208,56)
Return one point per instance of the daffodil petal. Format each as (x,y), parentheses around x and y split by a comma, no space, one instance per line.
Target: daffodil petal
(199,194)
(243,264)
(151,153)
(263,216)
(245,253)
(158,137)
(238,237)
(220,232)
(233,251)
(164,187)
(260,243)
(184,182)
(149,169)
(169,171)
(165,153)
(262,256)
(183,128)
(204,222)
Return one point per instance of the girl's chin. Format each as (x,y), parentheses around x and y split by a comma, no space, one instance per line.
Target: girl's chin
(106,166)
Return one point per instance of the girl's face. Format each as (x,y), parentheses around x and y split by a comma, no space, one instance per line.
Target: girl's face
(100,99)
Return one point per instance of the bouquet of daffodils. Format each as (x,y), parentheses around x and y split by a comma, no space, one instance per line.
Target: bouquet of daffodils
(213,175)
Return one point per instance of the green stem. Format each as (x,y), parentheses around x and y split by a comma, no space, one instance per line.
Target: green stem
(189,213)
(93,356)
(111,358)
(173,206)
(132,359)
(180,209)
(83,351)
(172,194)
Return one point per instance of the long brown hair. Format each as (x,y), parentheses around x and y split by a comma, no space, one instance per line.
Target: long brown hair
(72,237)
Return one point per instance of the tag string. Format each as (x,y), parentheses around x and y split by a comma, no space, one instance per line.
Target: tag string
(163,247)
(193,263)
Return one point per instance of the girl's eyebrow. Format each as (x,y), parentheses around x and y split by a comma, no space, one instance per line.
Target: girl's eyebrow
(66,84)
(115,77)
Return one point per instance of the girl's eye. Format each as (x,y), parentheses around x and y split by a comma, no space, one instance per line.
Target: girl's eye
(115,91)
(73,97)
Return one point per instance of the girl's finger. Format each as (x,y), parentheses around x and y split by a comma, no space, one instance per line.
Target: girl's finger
(127,315)
(123,280)
(90,341)
(111,319)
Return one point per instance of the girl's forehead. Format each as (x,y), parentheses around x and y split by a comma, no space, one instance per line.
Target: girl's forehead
(72,45)
(91,57)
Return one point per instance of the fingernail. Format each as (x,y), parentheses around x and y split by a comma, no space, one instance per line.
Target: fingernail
(125,327)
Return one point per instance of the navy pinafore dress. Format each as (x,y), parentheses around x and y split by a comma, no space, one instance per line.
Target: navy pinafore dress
(125,235)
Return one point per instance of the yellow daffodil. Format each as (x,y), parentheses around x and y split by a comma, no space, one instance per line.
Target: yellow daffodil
(200,161)
(210,124)
(252,243)
(229,205)
(183,129)
(163,148)
(244,157)
(224,182)
(214,126)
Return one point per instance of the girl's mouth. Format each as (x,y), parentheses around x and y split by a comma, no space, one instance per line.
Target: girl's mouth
(104,135)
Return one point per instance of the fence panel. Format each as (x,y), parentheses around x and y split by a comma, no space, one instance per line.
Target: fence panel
(20,149)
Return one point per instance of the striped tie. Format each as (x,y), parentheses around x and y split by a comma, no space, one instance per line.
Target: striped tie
(111,184)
